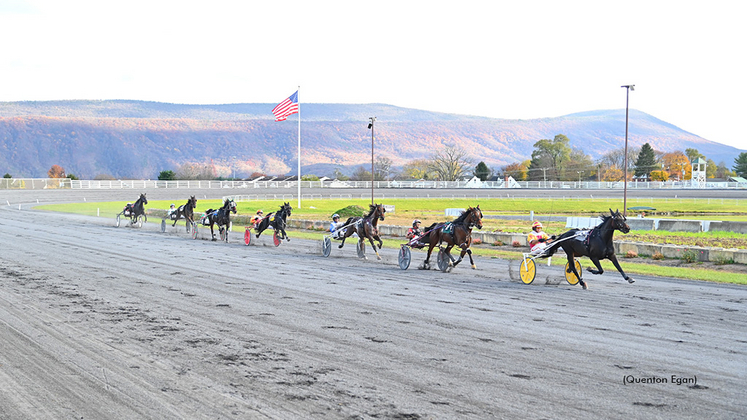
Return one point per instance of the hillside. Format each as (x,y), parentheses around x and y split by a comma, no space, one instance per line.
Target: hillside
(137,139)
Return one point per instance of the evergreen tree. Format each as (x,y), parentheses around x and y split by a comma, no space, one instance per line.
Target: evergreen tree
(740,164)
(166,176)
(482,171)
(646,161)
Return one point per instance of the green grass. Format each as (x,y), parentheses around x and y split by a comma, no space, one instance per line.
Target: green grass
(407,209)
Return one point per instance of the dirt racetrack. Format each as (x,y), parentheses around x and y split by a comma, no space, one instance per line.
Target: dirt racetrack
(98,322)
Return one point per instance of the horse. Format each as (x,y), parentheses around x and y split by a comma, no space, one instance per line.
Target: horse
(221,217)
(187,211)
(597,245)
(277,221)
(366,227)
(133,211)
(458,232)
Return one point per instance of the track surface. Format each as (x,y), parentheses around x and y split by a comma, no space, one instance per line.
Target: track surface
(105,322)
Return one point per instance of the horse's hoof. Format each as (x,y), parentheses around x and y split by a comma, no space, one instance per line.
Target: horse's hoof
(214,239)
(630,280)
(378,258)
(474,267)
(584,286)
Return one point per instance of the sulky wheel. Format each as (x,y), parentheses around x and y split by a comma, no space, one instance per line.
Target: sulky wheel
(405,256)
(527,270)
(163,225)
(194,230)
(247,235)
(275,238)
(326,246)
(139,222)
(118,220)
(443,261)
(570,277)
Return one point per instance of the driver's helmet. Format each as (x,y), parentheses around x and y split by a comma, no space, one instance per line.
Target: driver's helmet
(335,216)
(259,212)
(415,222)
(536,224)
(172,205)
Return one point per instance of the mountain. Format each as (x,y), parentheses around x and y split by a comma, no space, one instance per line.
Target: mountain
(138,139)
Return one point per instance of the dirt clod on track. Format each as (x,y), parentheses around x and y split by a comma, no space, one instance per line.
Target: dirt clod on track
(105,322)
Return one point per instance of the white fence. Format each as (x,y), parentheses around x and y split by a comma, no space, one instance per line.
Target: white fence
(44,183)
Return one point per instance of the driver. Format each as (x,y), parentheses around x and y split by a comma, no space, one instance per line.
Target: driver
(335,225)
(415,232)
(537,239)
(172,209)
(257,218)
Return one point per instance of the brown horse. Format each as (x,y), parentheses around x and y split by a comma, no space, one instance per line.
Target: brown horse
(459,233)
(365,227)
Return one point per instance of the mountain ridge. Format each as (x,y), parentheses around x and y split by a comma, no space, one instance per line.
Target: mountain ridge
(138,139)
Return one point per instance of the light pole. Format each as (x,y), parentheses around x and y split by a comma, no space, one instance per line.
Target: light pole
(628,88)
(372,120)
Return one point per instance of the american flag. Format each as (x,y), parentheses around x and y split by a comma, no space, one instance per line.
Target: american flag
(287,107)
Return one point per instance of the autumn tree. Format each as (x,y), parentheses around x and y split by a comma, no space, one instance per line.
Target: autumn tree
(450,164)
(517,170)
(677,164)
(416,169)
(711,168)
(693,154)
(659,175)
(579,165)
(56,171)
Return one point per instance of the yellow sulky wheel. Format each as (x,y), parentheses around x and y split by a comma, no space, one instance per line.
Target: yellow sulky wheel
(527,270)
(570,277)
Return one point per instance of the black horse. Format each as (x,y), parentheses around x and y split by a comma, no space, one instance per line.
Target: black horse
(597,245)
(186,211)
(222,218)
(133,211)
(276,221)
(366,227)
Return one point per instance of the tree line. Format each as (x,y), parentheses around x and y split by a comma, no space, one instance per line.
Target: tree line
(551,160)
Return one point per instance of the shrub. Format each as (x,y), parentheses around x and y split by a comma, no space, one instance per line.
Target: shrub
(498,243)
(516,244)
(351,211)
(476,241)
(631,254)
(723,261)
(690,256)
(657,256)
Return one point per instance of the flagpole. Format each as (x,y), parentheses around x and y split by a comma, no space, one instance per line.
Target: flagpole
(299,146)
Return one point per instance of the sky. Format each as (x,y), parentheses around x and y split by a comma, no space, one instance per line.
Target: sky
(500,59)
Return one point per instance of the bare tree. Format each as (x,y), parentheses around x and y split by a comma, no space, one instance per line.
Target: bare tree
(450,164)
(195,171)
(382,168)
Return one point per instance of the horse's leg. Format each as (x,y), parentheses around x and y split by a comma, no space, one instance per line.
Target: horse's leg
(212,233)
(426,264)
(371,239)
(345,236)
(471,261)
(176,219)
(613,258)
(597,264)
(572,268)
(362,245)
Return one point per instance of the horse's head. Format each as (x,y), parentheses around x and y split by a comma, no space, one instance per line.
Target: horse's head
(286,209)
(618,221)
(143,199)
(193,201)
(474,217)
(381,211)
(232,206)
